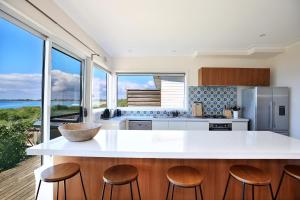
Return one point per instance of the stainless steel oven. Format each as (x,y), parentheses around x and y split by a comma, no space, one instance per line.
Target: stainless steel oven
(220,126)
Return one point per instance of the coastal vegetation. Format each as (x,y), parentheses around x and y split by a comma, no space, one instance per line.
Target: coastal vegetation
(14,124)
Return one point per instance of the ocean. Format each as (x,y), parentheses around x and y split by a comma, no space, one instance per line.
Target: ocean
(20,104)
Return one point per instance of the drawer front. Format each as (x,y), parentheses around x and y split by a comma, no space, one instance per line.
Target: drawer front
(140,125)
(199,126)
(160,125)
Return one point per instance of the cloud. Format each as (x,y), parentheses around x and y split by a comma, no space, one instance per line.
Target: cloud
(20,86)
(99,89)
(65,85)
(29,86)
(124,85)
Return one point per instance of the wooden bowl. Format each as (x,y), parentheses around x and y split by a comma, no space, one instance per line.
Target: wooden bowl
(79,132)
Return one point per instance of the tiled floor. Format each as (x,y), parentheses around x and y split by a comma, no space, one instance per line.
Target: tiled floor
(18,183)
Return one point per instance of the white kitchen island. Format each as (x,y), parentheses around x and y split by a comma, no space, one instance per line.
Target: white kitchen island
(153,152)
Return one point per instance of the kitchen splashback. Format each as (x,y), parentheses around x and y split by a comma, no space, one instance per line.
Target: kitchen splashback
(213,98)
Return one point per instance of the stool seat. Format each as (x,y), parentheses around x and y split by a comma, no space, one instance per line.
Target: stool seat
(120,174)
(60,172)
(293,170)
(184,176)
(250,175)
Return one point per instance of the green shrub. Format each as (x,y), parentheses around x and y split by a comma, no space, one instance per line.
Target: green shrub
(13,142)
(122,103)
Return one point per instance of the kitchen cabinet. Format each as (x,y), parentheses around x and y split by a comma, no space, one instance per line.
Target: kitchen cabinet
(239,126)
(177,125)
(196,125)
(160,125)
(180,125)
(213,76)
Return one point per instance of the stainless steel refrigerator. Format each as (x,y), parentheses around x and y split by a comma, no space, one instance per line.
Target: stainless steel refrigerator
(267,108)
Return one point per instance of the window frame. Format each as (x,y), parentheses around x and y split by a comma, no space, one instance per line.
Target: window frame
(22,25)
(107,73)
(151,108)
(82,74)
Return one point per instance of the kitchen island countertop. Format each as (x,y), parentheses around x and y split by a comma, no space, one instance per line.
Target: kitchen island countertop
(170,144)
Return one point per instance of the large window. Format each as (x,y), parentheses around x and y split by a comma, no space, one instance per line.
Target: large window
(154,90)
(66,89)
(21,69)
(99,94)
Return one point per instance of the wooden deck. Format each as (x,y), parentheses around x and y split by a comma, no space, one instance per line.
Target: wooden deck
(18,183)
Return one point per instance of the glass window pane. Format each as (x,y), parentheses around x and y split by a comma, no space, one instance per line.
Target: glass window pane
(158,90)
(21,66)
(66,82)
(99,88)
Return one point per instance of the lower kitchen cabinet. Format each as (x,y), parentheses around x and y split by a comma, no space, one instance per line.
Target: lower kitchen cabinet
(177,125)
(201,126)
(180,125)
(160,125)
(240,126)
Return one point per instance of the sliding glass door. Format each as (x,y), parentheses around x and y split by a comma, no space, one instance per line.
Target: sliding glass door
(66,90)
(21,80)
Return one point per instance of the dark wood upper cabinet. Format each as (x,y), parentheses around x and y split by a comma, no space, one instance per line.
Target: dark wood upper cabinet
(215,76)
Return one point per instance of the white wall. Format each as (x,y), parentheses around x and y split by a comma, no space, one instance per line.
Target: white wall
(188,64)
(286,72)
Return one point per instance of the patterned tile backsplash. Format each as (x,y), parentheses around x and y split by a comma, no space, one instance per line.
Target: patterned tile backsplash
(213,100)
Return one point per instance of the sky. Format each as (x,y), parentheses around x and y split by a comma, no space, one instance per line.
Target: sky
(133,82)
(21,61)
(21,66)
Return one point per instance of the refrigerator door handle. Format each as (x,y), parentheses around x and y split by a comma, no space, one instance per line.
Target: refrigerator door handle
(271,115)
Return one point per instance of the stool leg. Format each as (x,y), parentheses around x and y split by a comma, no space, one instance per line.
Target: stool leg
(168,191)
(226,187)
(103,191)
(172,191)
(111,188)
(281,179)
(252,192)
(82,185)
(201,192)
(271,191)
(196,193)
(131,191)
(57,190)
(138,187)
(243,195)
(65,185)
(38,190)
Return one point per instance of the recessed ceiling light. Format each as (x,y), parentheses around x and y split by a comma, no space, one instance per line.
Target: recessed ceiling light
(263,35)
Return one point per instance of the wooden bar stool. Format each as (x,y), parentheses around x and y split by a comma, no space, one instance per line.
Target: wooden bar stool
(120,175)
(291,170)
(58,173)
(249,175)
(184,177)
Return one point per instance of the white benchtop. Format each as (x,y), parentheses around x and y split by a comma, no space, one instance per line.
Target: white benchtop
(210,120)
(176,145)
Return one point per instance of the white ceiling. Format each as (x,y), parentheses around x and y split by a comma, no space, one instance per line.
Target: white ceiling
(187,27)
